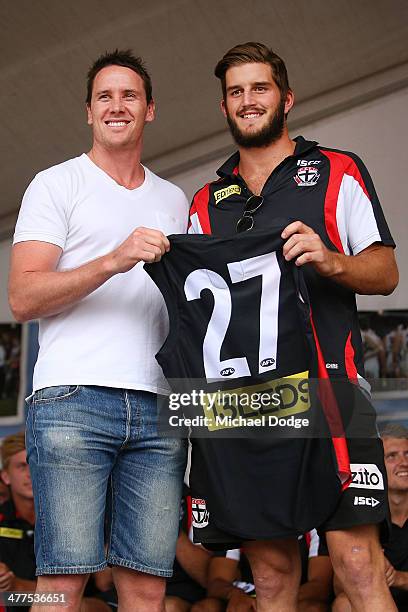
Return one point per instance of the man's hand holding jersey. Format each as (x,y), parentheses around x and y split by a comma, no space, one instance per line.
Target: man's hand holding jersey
(372,271)
(143,244)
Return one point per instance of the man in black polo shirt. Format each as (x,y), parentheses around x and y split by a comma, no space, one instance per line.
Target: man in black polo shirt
(395,440)
(17,566)
(340,238)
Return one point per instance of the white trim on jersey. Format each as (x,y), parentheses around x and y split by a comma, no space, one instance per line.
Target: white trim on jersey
(355,218)
(364,384)
(195,227)
(234,554)
(314,543)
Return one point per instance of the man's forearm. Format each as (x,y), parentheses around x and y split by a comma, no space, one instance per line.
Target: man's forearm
(37,289)
(43,293)
(222,589)
(401,580)
(27,586)
(371,272)
(193,559)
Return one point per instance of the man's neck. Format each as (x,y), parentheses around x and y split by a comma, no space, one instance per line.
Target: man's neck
(122,165)
(257,163)
(398,506)
(24,508)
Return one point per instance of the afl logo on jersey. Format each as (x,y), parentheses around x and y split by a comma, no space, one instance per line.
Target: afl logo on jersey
(227,371)
(269,361)
(199,513)
(307,176)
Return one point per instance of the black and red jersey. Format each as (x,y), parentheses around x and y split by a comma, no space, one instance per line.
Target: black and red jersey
(240,322)
(330,191)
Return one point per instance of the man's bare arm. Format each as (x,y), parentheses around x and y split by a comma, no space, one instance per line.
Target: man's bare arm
(315,593)
(395,578)
(372,272)
(37,289)
(221,574)
(193,559)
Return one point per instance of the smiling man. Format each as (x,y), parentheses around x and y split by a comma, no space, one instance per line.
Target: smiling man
(83,228)
(340,237)
(395,440)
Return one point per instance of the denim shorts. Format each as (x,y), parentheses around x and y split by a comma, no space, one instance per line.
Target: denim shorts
(107,488)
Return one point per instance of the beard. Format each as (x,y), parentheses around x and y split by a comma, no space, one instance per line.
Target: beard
(270,133)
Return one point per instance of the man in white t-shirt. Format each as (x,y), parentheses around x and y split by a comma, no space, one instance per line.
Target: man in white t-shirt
(84,230)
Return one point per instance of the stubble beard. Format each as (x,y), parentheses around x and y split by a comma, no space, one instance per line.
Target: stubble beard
(267,135)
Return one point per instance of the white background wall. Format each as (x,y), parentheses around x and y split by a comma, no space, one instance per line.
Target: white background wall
(378,132)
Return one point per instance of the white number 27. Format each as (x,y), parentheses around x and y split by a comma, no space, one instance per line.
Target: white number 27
(265,266)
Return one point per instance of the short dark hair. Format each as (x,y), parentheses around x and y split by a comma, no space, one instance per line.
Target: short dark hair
(394,430)
(254,52)
(124,58)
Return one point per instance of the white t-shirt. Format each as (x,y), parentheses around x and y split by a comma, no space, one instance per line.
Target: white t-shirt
(110,337)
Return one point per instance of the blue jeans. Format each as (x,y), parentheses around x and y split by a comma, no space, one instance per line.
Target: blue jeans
(87,446)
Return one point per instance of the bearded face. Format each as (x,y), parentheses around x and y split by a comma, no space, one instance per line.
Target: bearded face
(258,135)
(254,106)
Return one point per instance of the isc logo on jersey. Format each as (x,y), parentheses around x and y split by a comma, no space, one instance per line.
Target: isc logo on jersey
(199,513)
(221,194)
(366,501)
(366,476)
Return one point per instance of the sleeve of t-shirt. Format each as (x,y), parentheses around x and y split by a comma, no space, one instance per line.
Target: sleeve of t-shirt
(42,214)
(360,218)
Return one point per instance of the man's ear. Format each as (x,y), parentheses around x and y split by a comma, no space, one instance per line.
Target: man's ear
(89,114)
(5,477)
(150,112)
(223,107)
(290,100)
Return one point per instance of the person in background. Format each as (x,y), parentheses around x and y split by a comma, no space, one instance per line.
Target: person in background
(17,520)
(395,440)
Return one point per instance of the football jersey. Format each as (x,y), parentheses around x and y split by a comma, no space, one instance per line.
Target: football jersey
(240,321)
(328,190)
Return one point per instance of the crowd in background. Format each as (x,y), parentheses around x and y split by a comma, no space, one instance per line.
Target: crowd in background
(10,349)
(385,344)
(205,581)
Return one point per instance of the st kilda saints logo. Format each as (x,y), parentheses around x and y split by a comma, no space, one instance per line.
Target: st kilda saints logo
(306,176)
(199,513)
